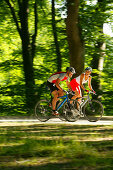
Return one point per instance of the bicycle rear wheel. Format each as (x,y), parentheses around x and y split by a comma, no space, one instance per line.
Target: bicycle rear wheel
(42,110)
(72,114)
(93,111)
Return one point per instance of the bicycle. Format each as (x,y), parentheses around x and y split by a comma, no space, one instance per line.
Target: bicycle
(89,108)
(43,110)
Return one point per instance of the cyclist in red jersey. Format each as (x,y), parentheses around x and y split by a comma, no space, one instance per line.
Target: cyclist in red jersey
(77,83)
(53,83)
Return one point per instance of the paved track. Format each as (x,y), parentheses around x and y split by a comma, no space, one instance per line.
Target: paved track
(18,122)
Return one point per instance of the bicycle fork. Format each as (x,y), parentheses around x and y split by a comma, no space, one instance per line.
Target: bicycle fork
(91,106)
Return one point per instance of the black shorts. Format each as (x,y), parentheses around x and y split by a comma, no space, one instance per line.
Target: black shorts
(52,86)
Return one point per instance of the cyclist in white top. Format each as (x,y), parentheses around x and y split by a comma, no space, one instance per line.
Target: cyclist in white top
(53,83)
(77,83)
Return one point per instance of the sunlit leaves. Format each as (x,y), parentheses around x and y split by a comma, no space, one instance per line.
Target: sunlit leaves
(11,63)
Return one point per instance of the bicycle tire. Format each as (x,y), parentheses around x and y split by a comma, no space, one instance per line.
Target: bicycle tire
(93,111)
(42,110)
(73,114)
(62,116)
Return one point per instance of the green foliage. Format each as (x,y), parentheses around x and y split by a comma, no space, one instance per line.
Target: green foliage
(92,17)
(12,82)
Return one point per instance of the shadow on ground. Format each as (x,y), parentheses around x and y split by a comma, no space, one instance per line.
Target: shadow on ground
(52,147)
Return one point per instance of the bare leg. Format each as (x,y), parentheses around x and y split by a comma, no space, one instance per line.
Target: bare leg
(75,96)
(55,98)
(60,93)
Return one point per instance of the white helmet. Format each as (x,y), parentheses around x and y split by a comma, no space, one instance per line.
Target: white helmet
(71,69)
(88,68)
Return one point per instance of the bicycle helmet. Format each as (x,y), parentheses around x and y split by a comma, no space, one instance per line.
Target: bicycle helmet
(71,69)
(88,68)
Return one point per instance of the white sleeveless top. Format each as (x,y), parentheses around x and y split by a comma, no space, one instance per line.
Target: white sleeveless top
(83,81)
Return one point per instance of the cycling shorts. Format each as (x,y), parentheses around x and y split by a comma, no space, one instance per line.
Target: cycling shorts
(52,86)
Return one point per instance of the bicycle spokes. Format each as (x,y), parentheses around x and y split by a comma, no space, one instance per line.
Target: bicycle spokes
(72,113)
(93,110)
(42,110)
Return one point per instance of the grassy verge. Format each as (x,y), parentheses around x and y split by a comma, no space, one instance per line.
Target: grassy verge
(52,147)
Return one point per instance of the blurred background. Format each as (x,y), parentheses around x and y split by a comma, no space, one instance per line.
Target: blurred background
(40,37)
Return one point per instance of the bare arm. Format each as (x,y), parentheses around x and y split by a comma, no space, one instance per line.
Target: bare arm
(81,79)
(89,83)
(68,84)
(57,83)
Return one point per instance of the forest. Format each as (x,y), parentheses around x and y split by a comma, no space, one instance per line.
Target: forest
(40,37)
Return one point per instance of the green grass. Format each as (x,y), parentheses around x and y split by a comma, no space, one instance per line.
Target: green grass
(52,147)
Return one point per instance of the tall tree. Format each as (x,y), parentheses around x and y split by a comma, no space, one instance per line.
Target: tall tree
(76,49)
(59,57)
(98,57)
(28,42)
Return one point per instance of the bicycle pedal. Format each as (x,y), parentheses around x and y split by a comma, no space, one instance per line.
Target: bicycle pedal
(82,114)
(50,105)
(55,113)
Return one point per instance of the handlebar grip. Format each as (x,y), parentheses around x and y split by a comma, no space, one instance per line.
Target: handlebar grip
(65,91)
(92,92)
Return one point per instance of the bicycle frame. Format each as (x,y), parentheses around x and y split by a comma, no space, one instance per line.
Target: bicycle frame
(66,99)
(88,99)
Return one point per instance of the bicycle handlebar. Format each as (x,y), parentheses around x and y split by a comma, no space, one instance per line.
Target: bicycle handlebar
(69,92)
(73,93)
(91,92)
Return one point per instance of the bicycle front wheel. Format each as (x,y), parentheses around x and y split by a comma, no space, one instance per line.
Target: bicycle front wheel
(72,113)
(42,110)
(93,110)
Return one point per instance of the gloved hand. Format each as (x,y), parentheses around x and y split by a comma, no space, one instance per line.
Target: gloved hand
(87,91)
(93,91)
(73,93)
(64,91)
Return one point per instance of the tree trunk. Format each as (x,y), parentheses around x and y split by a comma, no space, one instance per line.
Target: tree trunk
(27,55)
(28,71)
(102,54)
(59,57)
(98,58)
(33,46)
(73,34)
(97,63)
(28,48)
